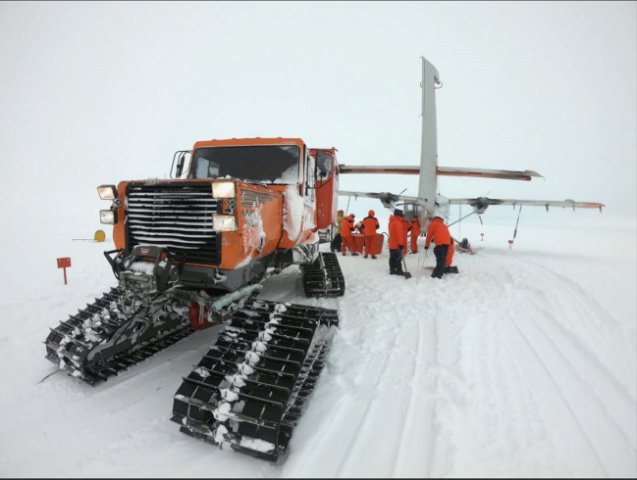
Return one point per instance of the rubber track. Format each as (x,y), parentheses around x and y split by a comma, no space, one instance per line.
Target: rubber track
(68,345)
(250,389)
(324,277)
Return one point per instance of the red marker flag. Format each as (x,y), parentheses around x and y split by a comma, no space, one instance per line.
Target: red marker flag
(64,262)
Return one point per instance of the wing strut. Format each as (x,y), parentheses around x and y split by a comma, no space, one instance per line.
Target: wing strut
(515,231)
(462,218)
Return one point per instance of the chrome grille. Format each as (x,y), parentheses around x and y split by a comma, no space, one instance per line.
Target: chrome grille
(175,216)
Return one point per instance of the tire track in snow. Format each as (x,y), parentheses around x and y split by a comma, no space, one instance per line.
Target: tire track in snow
(361,421)
(556,386)
(487,424)
(573,298)
(410,403)
(577,299)
(531,426)
(603,438)
(376,451)
(369,442)
(419,426)
(615,455)
(583,377)
(334,441)
(351,465)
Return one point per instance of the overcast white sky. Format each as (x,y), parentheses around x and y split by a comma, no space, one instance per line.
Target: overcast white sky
(101,92)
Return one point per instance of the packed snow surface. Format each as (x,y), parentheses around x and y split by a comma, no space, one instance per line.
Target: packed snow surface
(523,364)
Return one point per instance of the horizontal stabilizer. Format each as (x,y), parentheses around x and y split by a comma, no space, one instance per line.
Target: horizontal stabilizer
(487,173)
(388,200)
(481,203)
(442,171)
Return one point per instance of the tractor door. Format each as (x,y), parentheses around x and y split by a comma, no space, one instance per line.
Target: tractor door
(326,187)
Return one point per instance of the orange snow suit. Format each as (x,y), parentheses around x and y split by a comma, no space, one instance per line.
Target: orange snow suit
(370,226)
(438,232)
(347,225)
(397,232)
(415,232)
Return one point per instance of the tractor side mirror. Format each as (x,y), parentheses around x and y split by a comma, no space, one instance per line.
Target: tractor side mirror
(179,160)
(180,165)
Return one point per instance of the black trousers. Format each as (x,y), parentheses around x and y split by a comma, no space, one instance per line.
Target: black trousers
(440,251)
(336,243)
(395,260)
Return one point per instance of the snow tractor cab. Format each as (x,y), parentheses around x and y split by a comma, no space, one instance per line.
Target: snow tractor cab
(192,251)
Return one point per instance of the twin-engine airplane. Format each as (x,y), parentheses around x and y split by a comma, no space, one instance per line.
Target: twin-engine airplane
(428,203)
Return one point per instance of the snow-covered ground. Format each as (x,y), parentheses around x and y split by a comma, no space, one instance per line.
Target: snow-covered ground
(524,364)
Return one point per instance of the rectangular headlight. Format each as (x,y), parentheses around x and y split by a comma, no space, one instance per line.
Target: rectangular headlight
(107,192)
(223,190)
(108,217)
(224,223)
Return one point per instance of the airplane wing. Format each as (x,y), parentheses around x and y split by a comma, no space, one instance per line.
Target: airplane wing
(481,203)
(388,200)
(402,169)
(487,173)
(442,171)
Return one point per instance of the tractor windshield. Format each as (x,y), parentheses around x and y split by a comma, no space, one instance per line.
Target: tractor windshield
(263,163)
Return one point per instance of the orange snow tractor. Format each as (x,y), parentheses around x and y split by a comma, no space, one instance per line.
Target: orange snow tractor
(193,251)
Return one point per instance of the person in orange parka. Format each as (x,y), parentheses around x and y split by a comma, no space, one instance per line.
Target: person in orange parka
(347,242)
(415,233)
(369,227)
(397,242)
(438,232)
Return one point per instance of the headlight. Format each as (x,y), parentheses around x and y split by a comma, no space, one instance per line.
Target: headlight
(108,217)
(223,190)
(224,223)
(107,192)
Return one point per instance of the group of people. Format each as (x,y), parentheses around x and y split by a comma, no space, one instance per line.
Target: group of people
(344,241)
(437,232)
(399,228)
